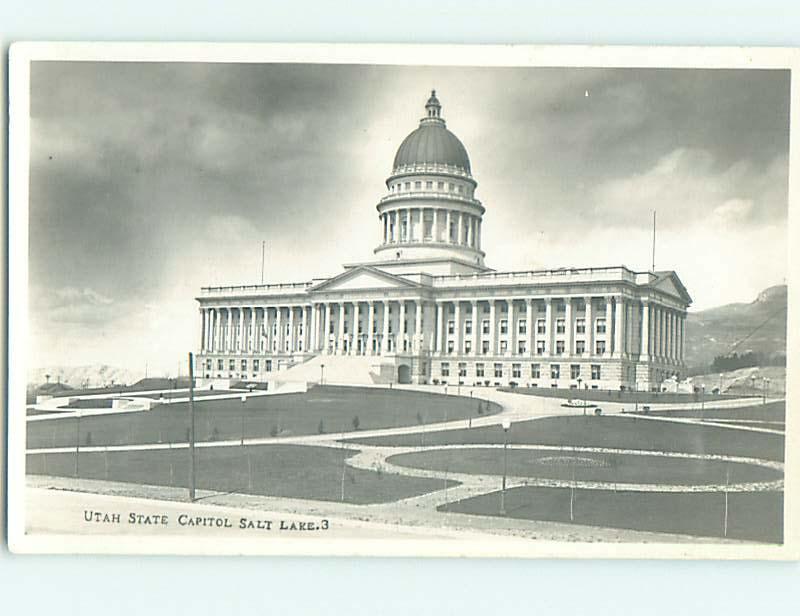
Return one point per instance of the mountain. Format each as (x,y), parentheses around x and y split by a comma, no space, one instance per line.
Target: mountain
(81,377)
(759,326)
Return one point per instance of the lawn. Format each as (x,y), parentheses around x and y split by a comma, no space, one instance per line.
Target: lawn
(616,395)
(292,471)
(753,516)
(772,411)
(611,431)
(325,409)
(586,466)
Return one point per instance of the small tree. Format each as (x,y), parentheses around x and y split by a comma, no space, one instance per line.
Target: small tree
(321,427)
(273,431)
(419,417)
(356,422)
(88,438)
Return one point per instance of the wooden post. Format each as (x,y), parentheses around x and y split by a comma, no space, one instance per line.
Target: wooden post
(192,469)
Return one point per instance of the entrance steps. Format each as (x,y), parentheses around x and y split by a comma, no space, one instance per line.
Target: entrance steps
(342,369)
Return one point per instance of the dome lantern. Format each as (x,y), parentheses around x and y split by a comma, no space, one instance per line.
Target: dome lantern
(433,106)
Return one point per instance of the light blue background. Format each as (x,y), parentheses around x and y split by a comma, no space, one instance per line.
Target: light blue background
(117,585)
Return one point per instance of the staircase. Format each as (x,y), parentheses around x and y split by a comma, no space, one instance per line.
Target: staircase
(339,369)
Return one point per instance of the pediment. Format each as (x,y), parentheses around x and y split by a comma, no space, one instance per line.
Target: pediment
(669,283)
(363,279)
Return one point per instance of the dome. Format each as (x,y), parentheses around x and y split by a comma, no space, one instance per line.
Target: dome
(432,142)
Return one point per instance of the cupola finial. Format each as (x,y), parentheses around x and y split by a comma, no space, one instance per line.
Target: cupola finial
(433,106)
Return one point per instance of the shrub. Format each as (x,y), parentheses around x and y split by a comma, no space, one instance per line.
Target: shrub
(321,427)
(356,422)
(88,438)
(419,417)
(273,431)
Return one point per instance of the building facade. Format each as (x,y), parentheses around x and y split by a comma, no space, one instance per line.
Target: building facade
(427,309)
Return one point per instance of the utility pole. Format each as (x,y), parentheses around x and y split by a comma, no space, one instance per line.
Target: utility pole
(263,249)
(192,469)
(653,263)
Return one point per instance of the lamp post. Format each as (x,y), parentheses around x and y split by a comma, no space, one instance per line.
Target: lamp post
(753,382)
(506,423)
(766,389)
(321,374)
(703,399)
(579,393)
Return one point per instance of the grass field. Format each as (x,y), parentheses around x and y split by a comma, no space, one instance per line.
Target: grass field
(586,466)
(274,470)
(772,411)
(615,395)
(614,431)
(325,409)
(753,516)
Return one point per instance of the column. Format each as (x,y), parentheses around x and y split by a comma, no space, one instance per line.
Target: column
(370,327)
(276,332)
(311,334)
(668,335)
(417,344)
(618,326)
(401,327)
(548,326)
(440,346)
(492,326)
(356,336)
(460,228)
(531,326)
(657,316)
(476,327)
(340,332)
(512,327)
(448,222)
(385,338)
(478,244)
(589,320)
(436,223)
(468,229)
(457,329)
(644,350)
(569,328)
(240,335)
(325,310)
(229,331)
(629,328)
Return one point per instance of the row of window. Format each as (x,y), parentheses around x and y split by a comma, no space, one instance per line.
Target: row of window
(522,347)
(516,370)
(522,326)
(244,364)
(429,184)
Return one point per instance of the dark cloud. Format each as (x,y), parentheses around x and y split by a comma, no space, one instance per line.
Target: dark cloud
(150,176)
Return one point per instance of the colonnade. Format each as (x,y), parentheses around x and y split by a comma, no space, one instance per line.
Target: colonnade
(576,326)
(431,224)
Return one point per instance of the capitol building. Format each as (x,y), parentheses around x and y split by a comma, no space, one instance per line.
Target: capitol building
(427,309)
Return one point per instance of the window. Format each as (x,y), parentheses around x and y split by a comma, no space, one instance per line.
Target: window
(408,185)
(445,368)
(220,364)
(462,368)
(346,327)
(561,307)
(503,346)
(255,365)
(209,365)
(450,346)
(232,364)
(516,370)
(559,347)
(601,326)
(479,370)
(535,371)
(580,326)
(555,371)
(244,365)
(600,347)
(540,347)
(268,365)
(468,346)
(503,326)
(498,371)
(330,328)
(451,327)
(468,327)
(522,347)
(440,185)
(451,186)
(574,371)
(522,326)
(460,189)
(560,326)
(485,326)
(485,347)
(417,185)
(540,326)
(595,372)
(429,184)
(580,347)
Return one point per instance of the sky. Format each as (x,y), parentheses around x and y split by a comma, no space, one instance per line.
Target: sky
(151,180)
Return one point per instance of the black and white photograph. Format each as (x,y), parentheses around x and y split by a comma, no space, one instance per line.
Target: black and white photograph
(401,300)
